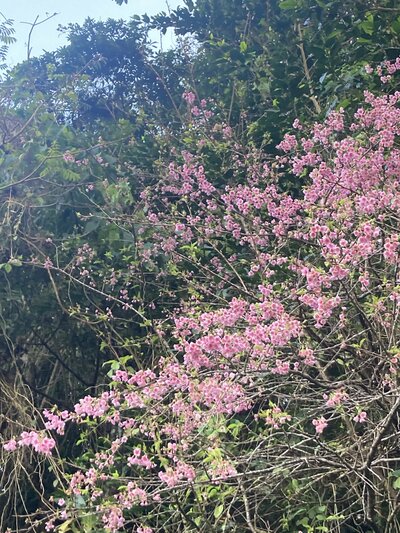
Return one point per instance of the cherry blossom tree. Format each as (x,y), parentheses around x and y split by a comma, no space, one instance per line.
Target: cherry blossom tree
(273,401)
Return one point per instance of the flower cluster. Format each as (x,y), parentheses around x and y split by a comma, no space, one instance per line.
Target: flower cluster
(286,338)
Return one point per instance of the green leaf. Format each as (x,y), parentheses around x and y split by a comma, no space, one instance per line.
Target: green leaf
(288,4)
(243,47)
(65,526)
(367,25)
(14,261)
(396,25)
(91,226)
(89,522)
(218,511)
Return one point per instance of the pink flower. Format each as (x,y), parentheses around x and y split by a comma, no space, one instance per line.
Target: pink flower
(320,424)
(189,96)
(335,399)
(48,263)
(360,417)
(55,422)
(113,519)
(141,460)
(10,446)
(68,157)
(297,125)
(172,476)
(38,442)
(50,525)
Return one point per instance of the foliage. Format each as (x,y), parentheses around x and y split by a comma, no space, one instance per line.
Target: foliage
(276,60)
(6,38)
(271,401)
(216,323)
(108,71)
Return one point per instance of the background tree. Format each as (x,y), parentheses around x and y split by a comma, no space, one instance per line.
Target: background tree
(276,60)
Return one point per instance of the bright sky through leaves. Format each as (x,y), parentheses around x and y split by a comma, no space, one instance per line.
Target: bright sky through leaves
(47,37)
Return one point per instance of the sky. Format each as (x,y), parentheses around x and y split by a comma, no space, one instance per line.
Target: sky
(46,36)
